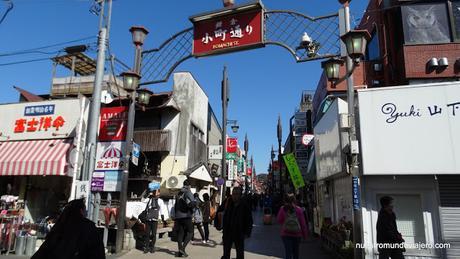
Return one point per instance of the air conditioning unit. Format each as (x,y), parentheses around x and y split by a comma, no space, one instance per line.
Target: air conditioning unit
(175,181)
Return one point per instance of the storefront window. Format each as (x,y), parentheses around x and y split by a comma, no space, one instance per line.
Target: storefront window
(409,217)
(425,23)
(456,17)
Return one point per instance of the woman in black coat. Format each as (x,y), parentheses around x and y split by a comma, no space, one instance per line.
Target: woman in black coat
(72,237)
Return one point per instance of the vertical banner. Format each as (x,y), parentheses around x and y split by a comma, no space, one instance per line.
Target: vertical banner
(356,194)
(294,171)
(231,175)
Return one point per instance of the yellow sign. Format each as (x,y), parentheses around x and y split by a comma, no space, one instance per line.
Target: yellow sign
(294,171)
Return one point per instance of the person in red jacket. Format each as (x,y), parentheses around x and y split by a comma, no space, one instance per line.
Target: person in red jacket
(293,226)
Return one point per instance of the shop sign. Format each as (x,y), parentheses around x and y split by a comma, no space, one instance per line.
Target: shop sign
(106,181)
(39,120)
(113,123)
(109,156)
(249,171)
(240,165)
(232,145)
(231,173)
(136,153)
(230,156)
(81,189)
(410,130)
(214,33)
(356,194)
(215,152)
(294,171)
(307,138)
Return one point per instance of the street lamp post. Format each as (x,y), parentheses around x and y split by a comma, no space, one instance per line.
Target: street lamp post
(130,83)
(225,100)
(355,42)
(272,156)
(246,149)
(279,133)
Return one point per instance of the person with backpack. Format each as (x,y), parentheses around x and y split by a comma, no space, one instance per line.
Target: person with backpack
(151,216)
(183,212)
(293,226)
(198,216)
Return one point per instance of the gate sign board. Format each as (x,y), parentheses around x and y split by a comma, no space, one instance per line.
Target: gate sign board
(228,30)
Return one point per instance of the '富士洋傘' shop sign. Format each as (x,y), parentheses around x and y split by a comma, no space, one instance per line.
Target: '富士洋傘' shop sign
(40,120)
(222,32)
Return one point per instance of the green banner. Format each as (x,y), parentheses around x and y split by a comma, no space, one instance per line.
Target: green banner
(230,156)
(294,171)
(240,165)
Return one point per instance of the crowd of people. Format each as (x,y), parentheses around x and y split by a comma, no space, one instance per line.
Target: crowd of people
(74,236)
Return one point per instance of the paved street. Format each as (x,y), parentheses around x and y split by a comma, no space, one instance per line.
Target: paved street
(264,243)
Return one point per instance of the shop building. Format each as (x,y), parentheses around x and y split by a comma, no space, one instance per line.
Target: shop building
(41,147)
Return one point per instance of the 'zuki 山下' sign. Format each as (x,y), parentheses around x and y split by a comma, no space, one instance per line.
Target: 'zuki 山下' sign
(228,30)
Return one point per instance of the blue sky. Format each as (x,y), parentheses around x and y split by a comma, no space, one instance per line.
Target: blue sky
(264,82)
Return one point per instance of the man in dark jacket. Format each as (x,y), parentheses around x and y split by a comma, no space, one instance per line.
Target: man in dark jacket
(387,231)
(185,203)
(237,224)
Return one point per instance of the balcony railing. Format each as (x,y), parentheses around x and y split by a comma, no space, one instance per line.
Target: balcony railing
(153,140)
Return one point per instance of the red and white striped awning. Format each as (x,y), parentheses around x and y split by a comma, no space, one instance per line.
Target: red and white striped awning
(34,157)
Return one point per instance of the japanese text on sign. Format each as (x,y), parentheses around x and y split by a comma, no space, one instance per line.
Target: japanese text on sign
(39,110)
(228,32)
(38,124)
(294,171)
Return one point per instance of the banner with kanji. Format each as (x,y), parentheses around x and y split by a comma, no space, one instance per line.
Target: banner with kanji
(294,171)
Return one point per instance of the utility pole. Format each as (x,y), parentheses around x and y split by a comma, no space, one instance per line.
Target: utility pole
(225,99)
(93,120)
(279,132)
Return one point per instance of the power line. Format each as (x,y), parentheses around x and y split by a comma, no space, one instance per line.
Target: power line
(24,61)
(18,52)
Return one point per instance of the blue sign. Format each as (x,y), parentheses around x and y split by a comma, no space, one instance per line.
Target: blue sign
(136,153)
(39,110)
(356,195)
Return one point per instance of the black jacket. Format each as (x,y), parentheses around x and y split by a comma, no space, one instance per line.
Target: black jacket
(387,231)
(237,220)
(79,241)
(189,199)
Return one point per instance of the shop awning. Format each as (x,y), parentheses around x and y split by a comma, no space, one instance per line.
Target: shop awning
(34,157)
(199,172)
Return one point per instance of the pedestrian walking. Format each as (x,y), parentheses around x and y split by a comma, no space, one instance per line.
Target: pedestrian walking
(153,210)
(198,216)
(387,231)
(237,224)
(293,226)
(73,236)
(183,212)
(207,217)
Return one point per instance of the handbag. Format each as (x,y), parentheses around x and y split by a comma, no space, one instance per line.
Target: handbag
(143,216)
(174,233)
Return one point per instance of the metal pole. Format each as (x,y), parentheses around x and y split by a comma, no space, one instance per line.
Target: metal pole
(353,166)
(224,128)
(246,158)
(127,153)
(93,120)
(280,135)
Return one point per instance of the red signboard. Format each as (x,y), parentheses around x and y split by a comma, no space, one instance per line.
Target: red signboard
(249,171)
(237,30)
(232,145)
(114,122)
